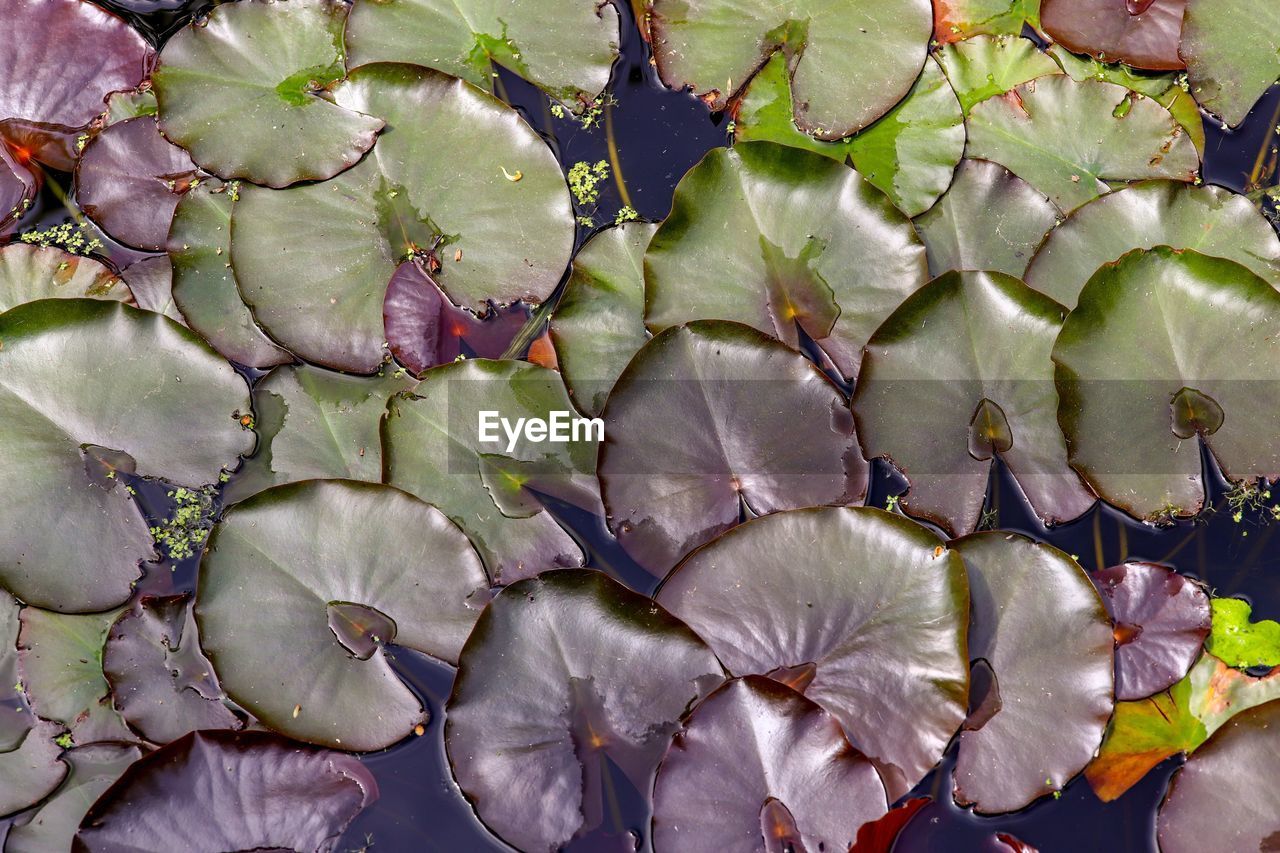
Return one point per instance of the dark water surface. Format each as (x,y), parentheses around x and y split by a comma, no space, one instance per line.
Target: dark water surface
(657,135)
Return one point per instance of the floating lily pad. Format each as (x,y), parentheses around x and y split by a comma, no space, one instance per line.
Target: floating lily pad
(122,106)
(760,430)
(878,836)
(1209,220)
(1225,791)
(60,661)
(1161,621)
(1138,382)
(567,49)
(61,58)
(874,50)
(161,683)
(278,563)
(1067,139)
(204,285)
(786,241)
(432,448)
(28,273)
(564,675)
(499,220)
(230,791)
(909,153)
(1240,642)
(985,66)
(151,282)
(599,323)
(1014,215)
(1232,50)
(1145,732)
(1040,627)
(83,385)
(244,91)
(870,624)
(51,827)
(961,373)
(758,766)
(129,179)
(31,770)
(15,718)
(955,20)
(1140,33)
(316,424)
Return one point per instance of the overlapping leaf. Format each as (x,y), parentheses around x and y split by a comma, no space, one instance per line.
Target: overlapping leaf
(1141,33)
(52,826)
(1232,51)
(28,273)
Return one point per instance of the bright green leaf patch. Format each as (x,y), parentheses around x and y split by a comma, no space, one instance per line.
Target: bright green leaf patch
(1239,641)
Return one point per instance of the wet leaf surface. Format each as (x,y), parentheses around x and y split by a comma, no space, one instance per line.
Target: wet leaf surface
(961,372)
(1136,339)
(984,67)
(230,791)
(496,240)
(129,179)
(51,827)
(1140,33)
(161,683)
(1161,621)
(242,91)
(599,323)
(764,431)
(1224,792)
(28,273)
(76,373)
(31,770)
(1067,139)
(567,49)
(275,566)
(1040,626)
(1232,51)
(877,606)
(786,241)
(758,766)
(1210,220)
(566,676)
(873,50)
(963,19)
(909,153)
(1240,641)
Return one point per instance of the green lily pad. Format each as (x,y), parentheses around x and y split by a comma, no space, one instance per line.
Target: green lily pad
(131,103)
(1145,732)
(28,273)
(956,20)
(1232,49)
(32,770)
(1044,635)
(1067,139)
(244,91)
(501,219)
(1225,791)
(1015,218)
(51,827)
(278,562)
(564,675)
(875,52)
(758,766)
(598,324)
(1210,220)
(984,67)
(204,284)
(786,241)
(1134,350)
(316,424)
(909,153)
(1139,33)
(875,615)
(83,385)
(958,374)
(1240,642)
(567,49)
(711,422)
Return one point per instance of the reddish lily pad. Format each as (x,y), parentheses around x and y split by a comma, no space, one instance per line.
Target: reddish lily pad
(762,430)
(840,624)
(957,20)
(1140,33)
(758,766)
(230,791)
(1040,627)
(28,273)
(1161,621)
(564,674)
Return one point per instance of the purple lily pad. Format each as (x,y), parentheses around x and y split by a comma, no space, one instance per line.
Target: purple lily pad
(1161,621)
(758,766)
(31,771)
(1141,33)
(230,791)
